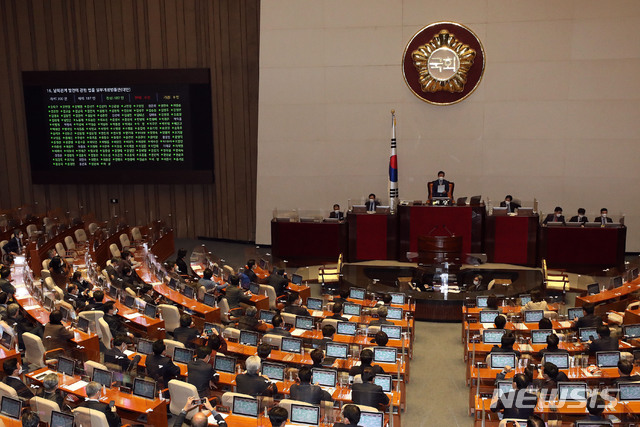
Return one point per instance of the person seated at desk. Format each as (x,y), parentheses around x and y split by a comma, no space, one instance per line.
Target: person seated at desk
(307,392)
(337,312)
(493,302)
(336,213)
(116,356)
(159,366)
(518,403)
(317,356)
(249,271)
(236,298)
(278,416)
(552,346)
(59,271)
(199,419)
(500,321)
(50,391)
(604,342)
(185,333)
(506,345)
(116,325)
(551,376)
(263,351)
(201,373)
(210,286)
(30,419)
(382,317)
(147,295)
(537,302)
(129,280)
(277,321)
(344,294)
(93,390)
(15,245)
(366,357)
(278,281)
(477,284)
(21,324)
(380,339)
(625,367)
(182,268)
(350,416)
(556,216)
(603,218)
(595,407)
(115,277)
(328,331)
(96,301)
(580,217)
(372,203)
(252,382)
(248,321)
(294,306)
(440,187)
(367,393)
(12,370)
(216,344)
(589,320)
(5,282)
(55,334)
(545,323)
(509,204)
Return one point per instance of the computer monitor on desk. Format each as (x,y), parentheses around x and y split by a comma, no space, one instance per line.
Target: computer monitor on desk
(358,209)
(383,210)
(499,211)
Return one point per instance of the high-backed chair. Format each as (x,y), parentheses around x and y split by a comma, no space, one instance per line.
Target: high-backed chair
(90,365)
(126,243)
(332,322)
(227,398)
(552,281)
(81,235)
(43,407)
(32,230)
(288,318)
(115,252)
(271,294)
(70,243)
(229,270)
(2,243)
(170,315)
(130,292)
(136,235)
(223,305)
(331,275)
(366,408)
(231,333)
(89,417)
(180,391)
(44,274)
(449,193)
(35,354)
(49,283)
(7,390)
(92,317)
(93,227)
(60,249)
(171,345)
(45,264)
(273,340)
(58,292)
(103,326)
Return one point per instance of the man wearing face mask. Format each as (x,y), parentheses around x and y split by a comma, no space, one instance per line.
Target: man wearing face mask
(580,217)
(477,284)
(509,204)
(556,216)
(116,326)
(440,187)
(15,245)
(13,370)
(603,218)
(336,213)
(372,203)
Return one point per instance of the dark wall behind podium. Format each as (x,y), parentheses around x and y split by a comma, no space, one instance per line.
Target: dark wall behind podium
(223,35)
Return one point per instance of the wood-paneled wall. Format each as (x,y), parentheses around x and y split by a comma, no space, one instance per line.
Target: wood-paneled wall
(222,35)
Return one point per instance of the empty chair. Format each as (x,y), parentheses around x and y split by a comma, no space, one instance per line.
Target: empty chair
(61,250)
(81,235)
(35,353)
(224,311)
(69,243)
(43,407)
(45,264)
(288,318)
(286,404)
(171,345)
(126,243)
(130,292)
(93,227)
(2,243)
(273,340)
(58,292)
(44,274)
(136,235)
(227,398)
(171,316)
(115,252)
(331,275)
(89,417)
(92,317)
(180,391)
(228,269)
(90,365)
(32,230)
(103,327)
(49,283)
(231,333)
(271,294)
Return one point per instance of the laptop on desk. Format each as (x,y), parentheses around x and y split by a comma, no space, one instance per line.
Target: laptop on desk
(275,371)
(305,415)
(245,406)
(371,419)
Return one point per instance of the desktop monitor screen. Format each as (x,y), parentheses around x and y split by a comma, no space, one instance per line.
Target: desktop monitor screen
(304,322)
(173,284)
(500,360)
(398,298)
(267,316)
(209,299)
(488,316)
(588,334)
(351,309)
(83,324)
(357,293)
(394,313)
(66,365)
(65,313)
(492,336)
(324,377)
(254,288)
(144,388)
(145,346)
(296,279)
(561,360)
(60,419)
(371,419)
(11,407)
(113,292)
(7,340)
(572,391)
(616,282)
(384,381)
(575,312)
(129,301)
(524,299)
(393,332)
(245,406)
(630,331)
(314,303)
(347,328)
(225,364)
(291,345)
(306,415)
(182,355)
(151,310)
(337,350)
(275,371)
(248,338)
(385,354)
(607,359)
(629,391)
(593,288)
(188,292)
(539,336)
(504,386)
(102,377)
(481,301)
(533,316)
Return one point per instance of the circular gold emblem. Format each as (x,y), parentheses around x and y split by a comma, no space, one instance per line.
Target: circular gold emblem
(443,63)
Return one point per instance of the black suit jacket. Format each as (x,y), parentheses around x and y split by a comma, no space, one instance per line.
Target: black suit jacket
(200,373)
(588,321)
(253,384)
(604,344)
(161,368)
(112,417)
(575,219)
(512,206)
(599,219)
(434,189)
(116,325)
(526,400)
(235,296)
(372,206)
(357,370)
(116,357)
(550,218)
(20,387)
(13,245)
(368,394)
(279,283)
(297,310)
(186,336)
(279,331)
(309,393)
(339,215)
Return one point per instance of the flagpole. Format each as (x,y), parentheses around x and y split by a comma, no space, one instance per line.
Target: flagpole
(393,166)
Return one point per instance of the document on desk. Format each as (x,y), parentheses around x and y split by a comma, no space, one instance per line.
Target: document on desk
(297,332)
(565,324)
(76,386)
(521,326)
(487,325)
(317,313)
(526,348)
(129,352)
(132,316)
(196,267)
(41,375)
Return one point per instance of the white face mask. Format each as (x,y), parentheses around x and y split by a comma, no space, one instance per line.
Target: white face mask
(440,178)
(336,210)
(372,200)
(558,215)
(115,311)
(476,282)
(604,214)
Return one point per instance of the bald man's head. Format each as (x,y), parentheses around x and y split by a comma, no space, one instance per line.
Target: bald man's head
(199,420)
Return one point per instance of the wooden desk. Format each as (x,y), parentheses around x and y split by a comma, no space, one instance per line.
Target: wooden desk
(512,239)
(615,299)
(308,243)
(152,329)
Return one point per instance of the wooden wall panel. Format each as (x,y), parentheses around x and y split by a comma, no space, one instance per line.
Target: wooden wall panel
(47,35)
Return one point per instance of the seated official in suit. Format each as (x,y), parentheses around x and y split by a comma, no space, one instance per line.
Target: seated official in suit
(337,312)
(556,216)
(95,303)
(278,416)
(50,390)
(236,298)
(278,281)
(382,317)
(83,285)
(317,356)
(380,339)
(506,345)
(440,187)
(350,416)
(625,367)
(56,335)
(328,331)
(116,325)
(589,320)
(263,351)
(186,333)
(372,202)
(509,204)
(366,357)
(545,323)
(5,281)
(294,306)
(159,366)
(210,286)
(596,406)
(552,346)
(336,213)
(604,217)
(252,382)
(367,393)
(551,376)
(248,321)
(13,370)
(344,294)
(93,390)
(15,245)
(605,341)
(116,355)
(477,284)
(500,321)
(518,403)
(307,392)
(276,321)
(580,217)
(201,373)
(75,298)
(29,418)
